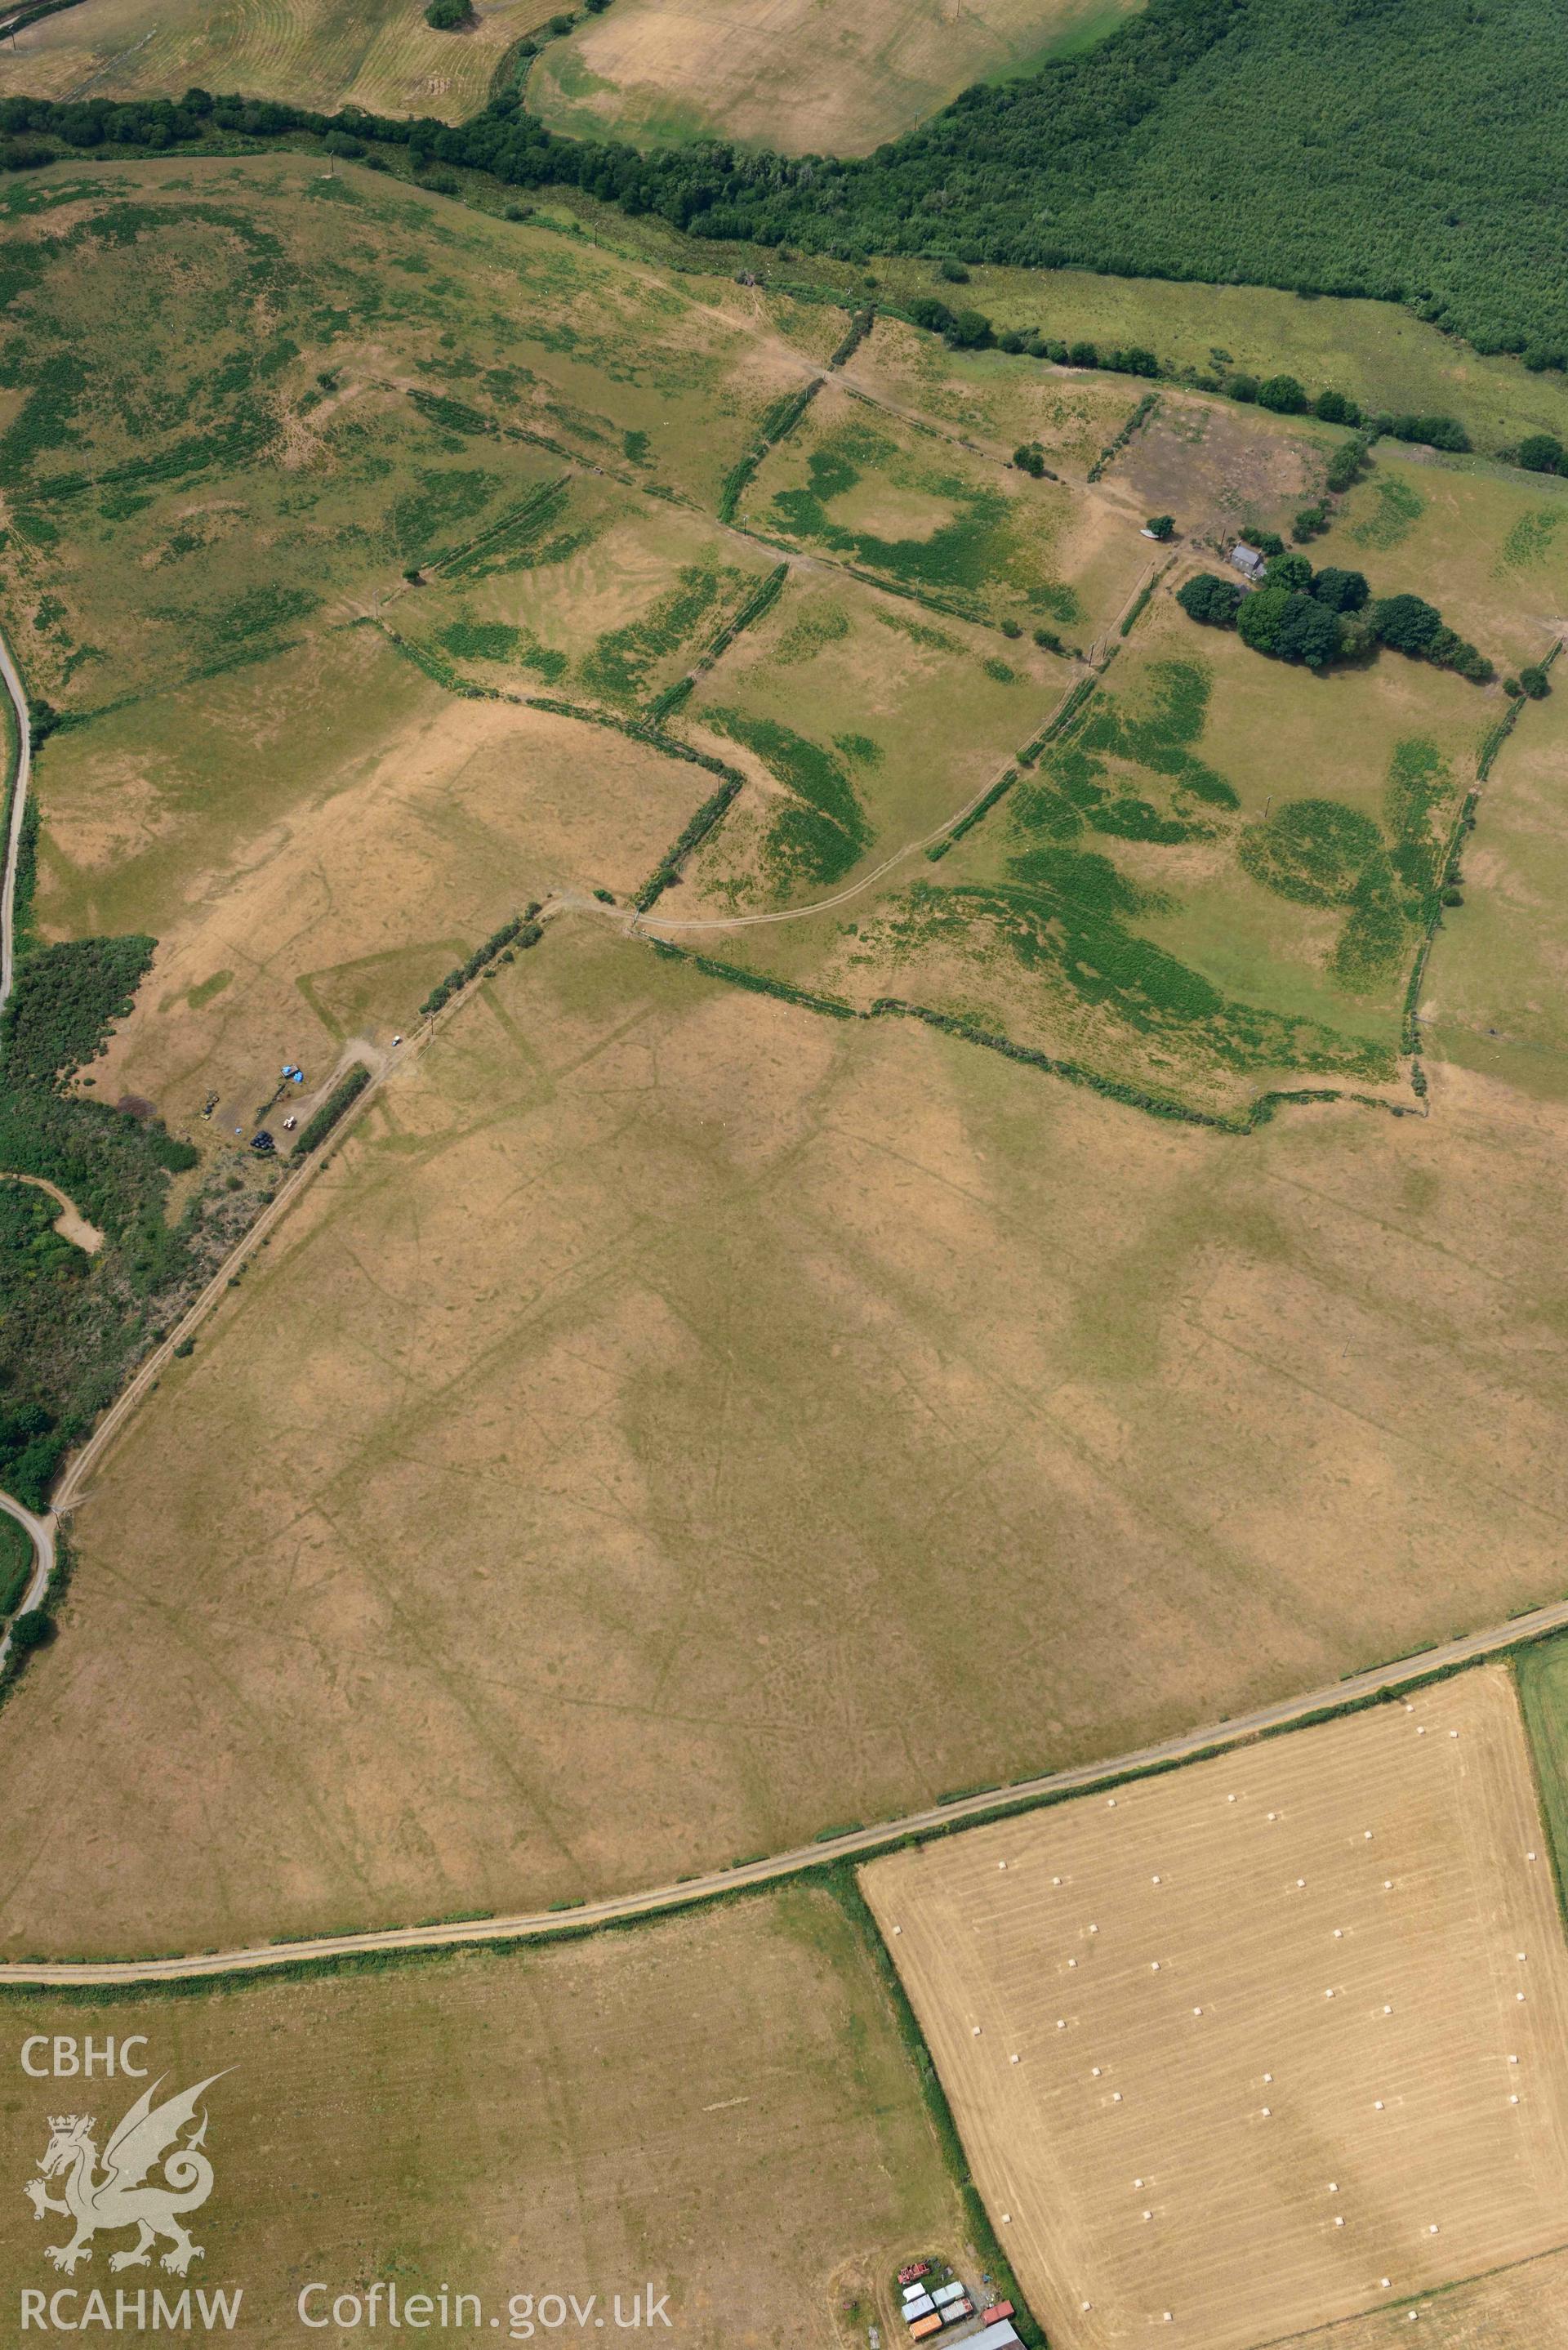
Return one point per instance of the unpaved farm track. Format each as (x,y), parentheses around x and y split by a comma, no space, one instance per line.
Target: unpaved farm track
(70,1224)
(13,685)
(856,1844)
(41,1532)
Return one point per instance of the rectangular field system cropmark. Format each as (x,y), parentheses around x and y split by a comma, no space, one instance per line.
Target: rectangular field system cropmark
(1263,2044)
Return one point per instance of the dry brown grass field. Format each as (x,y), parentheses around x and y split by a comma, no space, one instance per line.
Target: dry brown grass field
(1494,998)
(718,2104)
(1269,2042)
(382,858)
(788,75)
(676,1424)
(377,53)
(982,395)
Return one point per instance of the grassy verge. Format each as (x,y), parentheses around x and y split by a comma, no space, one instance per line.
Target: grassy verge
(15,1562)
(1540,1677)
(843,1883)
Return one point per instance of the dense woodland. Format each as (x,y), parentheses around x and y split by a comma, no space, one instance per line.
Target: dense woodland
(67,1321)
(1410,150)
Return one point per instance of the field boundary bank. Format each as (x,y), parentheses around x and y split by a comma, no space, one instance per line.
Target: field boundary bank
(1353,1693)
(1257,1113)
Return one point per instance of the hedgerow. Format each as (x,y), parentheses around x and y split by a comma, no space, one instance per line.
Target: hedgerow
(522,931)
(316,1129)
(668,870)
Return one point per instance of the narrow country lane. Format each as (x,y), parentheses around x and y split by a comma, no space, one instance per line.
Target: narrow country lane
(858,1844)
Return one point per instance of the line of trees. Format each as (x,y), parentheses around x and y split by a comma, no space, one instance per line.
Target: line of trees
(1328,617)
(707,190)
(522,931)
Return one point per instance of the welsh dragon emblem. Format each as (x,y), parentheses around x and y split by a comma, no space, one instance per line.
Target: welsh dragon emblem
(118,2195)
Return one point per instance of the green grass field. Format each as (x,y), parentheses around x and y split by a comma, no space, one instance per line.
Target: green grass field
(161,532)
(863,722)
(1378,353)
(546,436)
(1216,877)
(1491,544)
(918,510)
(1493,999)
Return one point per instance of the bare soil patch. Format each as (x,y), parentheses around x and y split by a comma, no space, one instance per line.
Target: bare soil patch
(1216,468)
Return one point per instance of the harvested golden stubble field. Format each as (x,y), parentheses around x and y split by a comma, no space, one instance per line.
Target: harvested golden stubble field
(1265,2043)
(719,2106)
(1520,2308)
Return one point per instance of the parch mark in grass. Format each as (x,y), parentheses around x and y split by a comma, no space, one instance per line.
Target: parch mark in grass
(963,557)
(618,665)
(819,622)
